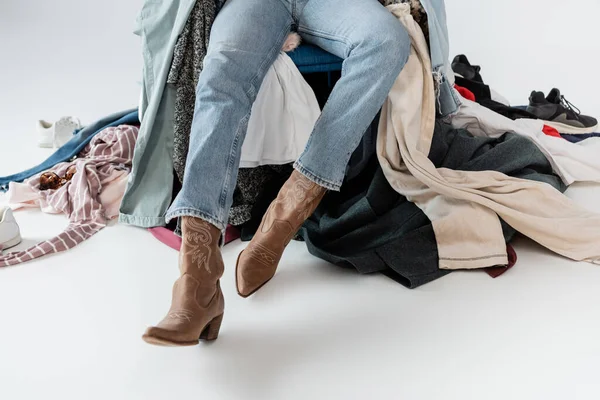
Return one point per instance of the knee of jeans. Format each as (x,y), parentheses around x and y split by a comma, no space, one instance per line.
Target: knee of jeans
(227,71)
(393,44)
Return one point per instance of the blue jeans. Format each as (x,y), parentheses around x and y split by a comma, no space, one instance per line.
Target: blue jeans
(74,146)
(245,39)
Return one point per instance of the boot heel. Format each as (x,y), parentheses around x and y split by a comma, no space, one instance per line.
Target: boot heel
(211,331)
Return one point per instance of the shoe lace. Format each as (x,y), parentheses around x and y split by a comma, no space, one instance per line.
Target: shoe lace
(568,105)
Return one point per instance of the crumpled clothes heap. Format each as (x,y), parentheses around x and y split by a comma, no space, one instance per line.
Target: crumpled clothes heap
(85,199)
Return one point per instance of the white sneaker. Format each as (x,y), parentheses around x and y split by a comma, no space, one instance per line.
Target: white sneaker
(54,135)
(10,234)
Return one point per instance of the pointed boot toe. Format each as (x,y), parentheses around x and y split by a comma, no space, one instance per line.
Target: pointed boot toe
(165,337)
(253,272)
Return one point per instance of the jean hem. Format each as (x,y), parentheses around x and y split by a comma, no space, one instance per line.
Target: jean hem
(193,212)
(315,178)
(141,221)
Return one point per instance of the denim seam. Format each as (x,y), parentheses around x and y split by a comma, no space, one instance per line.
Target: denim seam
(230,166)
(294,11)
(271,56)
(324,35)
(312,134)
(316,178)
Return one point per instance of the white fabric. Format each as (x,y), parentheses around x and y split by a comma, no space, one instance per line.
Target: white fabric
(282,118)
(573,162)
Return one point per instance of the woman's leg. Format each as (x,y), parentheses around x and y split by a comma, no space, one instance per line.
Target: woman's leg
(375,47)
(245,40)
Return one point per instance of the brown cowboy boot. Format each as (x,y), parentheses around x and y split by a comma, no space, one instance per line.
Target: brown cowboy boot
(296,201)
(197,306)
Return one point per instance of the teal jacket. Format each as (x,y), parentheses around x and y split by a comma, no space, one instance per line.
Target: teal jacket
(159,23)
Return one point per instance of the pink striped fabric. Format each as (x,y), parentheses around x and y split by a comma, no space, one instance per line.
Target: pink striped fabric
(109,151)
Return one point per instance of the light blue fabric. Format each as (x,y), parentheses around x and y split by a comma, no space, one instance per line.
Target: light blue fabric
(439,48)
(362,33)
(74,146)
(159,24)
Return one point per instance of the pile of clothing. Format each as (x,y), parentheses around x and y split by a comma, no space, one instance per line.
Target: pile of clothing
(463,175)
(87,188)
(559,115)
(443,179)
(414,220)
(84,179)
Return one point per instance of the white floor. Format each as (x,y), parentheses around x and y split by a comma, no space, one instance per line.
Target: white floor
(70,324)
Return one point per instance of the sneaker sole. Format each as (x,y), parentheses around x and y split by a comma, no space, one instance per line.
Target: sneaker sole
(570,130)
(11,243)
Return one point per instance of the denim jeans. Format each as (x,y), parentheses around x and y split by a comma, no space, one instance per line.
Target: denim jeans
(74,146)
(245,40)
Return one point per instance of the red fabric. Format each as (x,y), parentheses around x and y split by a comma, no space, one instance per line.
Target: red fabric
(464,92)
(495,272)
(550,131)
(232,233)
(173,241)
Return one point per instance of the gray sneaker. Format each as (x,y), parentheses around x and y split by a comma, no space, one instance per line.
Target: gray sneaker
(559,113)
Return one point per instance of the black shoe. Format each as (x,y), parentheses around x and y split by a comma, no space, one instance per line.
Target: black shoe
(462,67)
(559,113)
